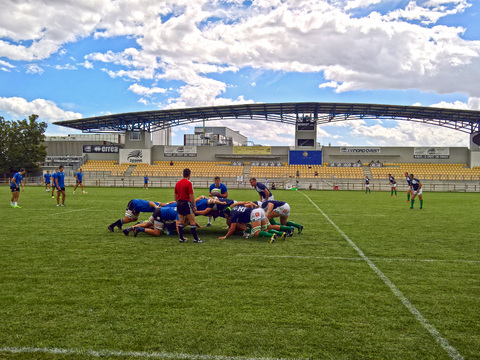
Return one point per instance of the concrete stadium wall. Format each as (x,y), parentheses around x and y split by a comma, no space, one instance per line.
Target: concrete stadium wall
(458,155)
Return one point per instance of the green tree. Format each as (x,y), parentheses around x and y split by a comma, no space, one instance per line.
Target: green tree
(21,145)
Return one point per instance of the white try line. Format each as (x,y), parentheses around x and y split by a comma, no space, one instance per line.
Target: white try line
(454,354)
(129,354)
(359,258)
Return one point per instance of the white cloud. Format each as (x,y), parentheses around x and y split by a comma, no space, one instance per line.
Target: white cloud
(66,67)
(142,90)
(47,110)
(87,64)
(6,64)
(34,69)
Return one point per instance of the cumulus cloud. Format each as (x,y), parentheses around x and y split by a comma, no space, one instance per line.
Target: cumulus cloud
(47,110)
(142,90)
(66,67)
(34,69)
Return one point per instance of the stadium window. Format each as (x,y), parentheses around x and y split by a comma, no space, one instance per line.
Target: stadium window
(305,142)
(135,136)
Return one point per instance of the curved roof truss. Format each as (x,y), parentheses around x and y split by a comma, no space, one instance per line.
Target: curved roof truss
(467,121)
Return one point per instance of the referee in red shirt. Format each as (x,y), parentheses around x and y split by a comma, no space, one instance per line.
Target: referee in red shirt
(186,208)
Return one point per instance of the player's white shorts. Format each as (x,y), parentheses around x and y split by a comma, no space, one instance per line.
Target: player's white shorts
(269,198)
(367,185)
(394,185)
(417,192)
(283,210)
(258,215)
(131,215)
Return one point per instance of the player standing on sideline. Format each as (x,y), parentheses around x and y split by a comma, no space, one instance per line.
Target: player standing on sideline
(219,190)
(79,178)
(393,184)
(185,198)
(262,190)
(417,190)
(54,184)
(60,185)
(46,180)
(266,183)
(145,182)
(134,208)
(367,185)
(15,188)
(409,187)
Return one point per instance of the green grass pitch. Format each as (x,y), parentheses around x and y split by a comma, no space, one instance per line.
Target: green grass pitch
(69,289)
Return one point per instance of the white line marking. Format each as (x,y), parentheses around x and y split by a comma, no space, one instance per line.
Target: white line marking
(454,354)
(359,258)
(131,354)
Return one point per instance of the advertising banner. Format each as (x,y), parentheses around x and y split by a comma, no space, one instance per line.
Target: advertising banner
(304,157)
(431,153)
(101,149)
(135,156)
(360,150)
(180,151)
(252,150)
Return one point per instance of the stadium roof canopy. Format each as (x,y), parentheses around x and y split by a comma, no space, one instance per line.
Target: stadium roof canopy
(290,113)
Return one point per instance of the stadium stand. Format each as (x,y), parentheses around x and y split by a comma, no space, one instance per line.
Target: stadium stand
(113,167)
(199,168)
(307,172)
(428,171)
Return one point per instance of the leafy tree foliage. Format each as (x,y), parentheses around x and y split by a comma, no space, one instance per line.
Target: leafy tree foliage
(21,145)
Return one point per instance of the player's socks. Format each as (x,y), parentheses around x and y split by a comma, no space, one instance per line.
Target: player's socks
(285,228)
(271,231)
(264,234)
(291,223)
(15,204)
(118,223)
(209,220)
(395,192)
(411,203)
(193,229)
(140,229)
(408,197)
(421,204)
(391,193)
(273,222)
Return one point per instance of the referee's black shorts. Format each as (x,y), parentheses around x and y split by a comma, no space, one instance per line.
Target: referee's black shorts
(184,207)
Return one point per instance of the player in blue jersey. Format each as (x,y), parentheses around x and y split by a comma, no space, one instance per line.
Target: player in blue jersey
(15,184)
(145,182)
(46,180)
(367,184)
(134,208)
(409,187)
(79,181)
(60,185)
(417,190)
(243,213)
(162,217)
(54,176)
(218,190)
(393,184)
(262,190)
(281,209)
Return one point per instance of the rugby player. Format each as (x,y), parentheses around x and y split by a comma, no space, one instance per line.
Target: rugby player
(219,190)
(46,180)
(161,215)
(417,190)
(262,190)
(393,184)
(145,182)
(15,184)
(60,185)
(242,213)
(409,187)
(367,184)
(134,208)
(54,176)
(79,178)
(281,209)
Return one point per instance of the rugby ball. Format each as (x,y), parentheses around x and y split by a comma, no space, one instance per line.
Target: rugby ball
(216,191)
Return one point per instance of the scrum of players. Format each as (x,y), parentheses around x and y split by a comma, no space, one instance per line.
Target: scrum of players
(249,218)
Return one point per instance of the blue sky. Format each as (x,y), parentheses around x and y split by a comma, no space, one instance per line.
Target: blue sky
(79,58)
